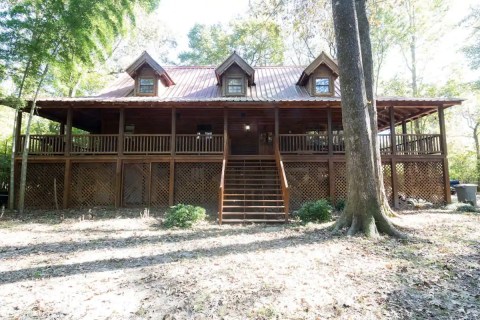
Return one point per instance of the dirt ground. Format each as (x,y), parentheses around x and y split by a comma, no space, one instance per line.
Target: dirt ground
(121,266)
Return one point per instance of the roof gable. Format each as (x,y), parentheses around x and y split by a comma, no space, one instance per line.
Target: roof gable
(324,59)
(234,58)
(146,59)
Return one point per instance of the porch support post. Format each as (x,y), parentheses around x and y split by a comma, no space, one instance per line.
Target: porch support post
(173,133)
(171,185)
(443,148)
(121,131)
(404,127)
(277,128)
(331,179)
(67,183)
(443,140)
(68,136)
(18,132)
(393,163)
(393,139)
(225,132)
(330,131)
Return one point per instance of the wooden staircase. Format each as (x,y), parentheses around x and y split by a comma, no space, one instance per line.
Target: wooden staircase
(252,192)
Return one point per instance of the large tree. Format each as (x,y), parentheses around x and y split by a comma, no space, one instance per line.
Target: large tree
(365,210)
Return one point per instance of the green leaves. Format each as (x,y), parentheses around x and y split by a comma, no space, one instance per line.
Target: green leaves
(258,42)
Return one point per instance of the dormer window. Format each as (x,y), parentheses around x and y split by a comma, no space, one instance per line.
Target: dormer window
(322,86)
(146,85)
(235,86)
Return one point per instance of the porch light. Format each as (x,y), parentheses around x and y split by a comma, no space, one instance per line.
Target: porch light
(247,127)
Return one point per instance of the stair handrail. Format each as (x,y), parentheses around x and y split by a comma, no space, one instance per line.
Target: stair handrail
(222,180)
(283,179)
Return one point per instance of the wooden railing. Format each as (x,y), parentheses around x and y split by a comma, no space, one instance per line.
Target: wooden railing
(199,143)
(44,144)
(283,180)
(94,143)
(303,143)
(146,144)
(418,144)
(405,144)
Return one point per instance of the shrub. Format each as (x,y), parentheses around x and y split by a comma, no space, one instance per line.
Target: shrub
(183,216)
(315,211)
(340,204)
(466,208)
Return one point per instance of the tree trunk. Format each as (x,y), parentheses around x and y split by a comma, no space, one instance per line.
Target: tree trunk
(367,62)
(23,172)
(11,186)
(364,211)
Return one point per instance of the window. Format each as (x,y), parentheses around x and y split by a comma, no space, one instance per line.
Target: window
(235,86)
(322,85)
(146,85)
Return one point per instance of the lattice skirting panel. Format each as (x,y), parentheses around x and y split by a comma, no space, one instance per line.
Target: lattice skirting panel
(146,184)
(93,184)
(198,184)
(42,180)
(308,181)
(387,181)
(421,180)
(340,180)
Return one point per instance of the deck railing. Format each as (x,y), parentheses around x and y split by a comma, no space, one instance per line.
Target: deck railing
(147,144)
(97,144)
(49,144)
(199,143)
(94,143)
(405,144)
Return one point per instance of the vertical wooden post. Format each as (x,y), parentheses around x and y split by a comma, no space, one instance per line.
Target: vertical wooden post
(225,132)
(118,183)
(171,187)
(443,146)
(393,139)
(277,128)
(67,183)
(446,180)
(330,131)
(18,132)
(173,133)
(62,128)
(393,163)
(68,137)
(404,127)
(331,179)
(121,131)
(443,140)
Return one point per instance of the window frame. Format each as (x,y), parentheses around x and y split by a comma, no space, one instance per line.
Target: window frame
(139,91)
(314,86)
(242,86)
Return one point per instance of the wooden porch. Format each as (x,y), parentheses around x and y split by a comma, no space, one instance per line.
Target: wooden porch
(223,159)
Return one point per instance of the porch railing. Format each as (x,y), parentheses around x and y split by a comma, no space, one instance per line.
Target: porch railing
(94,143)
(147,144)
(405,144)
(44,144)
(199,143)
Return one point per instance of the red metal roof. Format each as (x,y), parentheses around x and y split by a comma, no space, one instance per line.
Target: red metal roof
(199,84)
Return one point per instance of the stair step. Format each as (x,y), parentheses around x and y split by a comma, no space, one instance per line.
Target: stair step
(263,207)
(253,190)
(253,200)
(253,221)
(230,213)
(253,195)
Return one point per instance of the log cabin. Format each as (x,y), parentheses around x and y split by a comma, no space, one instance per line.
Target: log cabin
(248,144)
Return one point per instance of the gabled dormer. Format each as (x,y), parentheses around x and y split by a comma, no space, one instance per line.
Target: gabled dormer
(234,75)
(319,77)
(148,76)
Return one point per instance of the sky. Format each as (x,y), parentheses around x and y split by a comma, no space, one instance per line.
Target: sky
(180,15)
